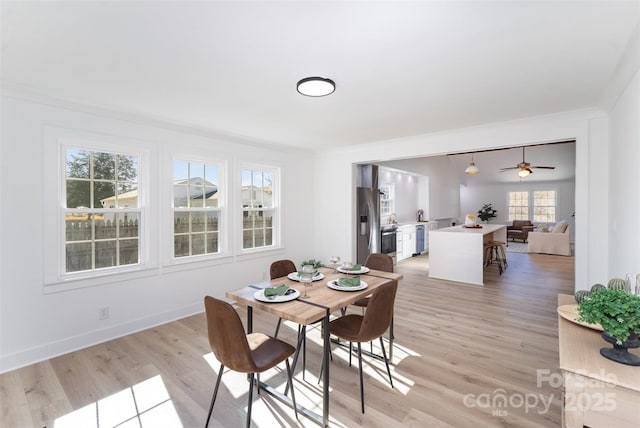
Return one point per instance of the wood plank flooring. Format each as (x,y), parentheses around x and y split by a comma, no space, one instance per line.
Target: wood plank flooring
(463,356)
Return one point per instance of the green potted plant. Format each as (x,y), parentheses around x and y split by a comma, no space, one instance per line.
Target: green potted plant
(487,212)
(618,313)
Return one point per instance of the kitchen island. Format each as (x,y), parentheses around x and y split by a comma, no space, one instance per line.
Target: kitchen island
(457,253)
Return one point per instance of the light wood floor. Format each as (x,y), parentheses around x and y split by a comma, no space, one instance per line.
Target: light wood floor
(459,351)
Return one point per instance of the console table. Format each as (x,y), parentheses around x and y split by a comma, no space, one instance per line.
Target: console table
(597,392)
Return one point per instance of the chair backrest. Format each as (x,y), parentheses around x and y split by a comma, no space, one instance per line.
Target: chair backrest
(379,261)
(227,338)
(379,312)
(281,268)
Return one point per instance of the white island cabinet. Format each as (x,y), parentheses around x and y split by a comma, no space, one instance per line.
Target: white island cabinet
(456,253)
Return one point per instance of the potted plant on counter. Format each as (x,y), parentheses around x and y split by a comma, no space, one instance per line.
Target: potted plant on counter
(487,212)
(618,313)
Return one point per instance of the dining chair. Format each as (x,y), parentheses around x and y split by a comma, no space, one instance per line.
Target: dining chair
(368,327)
(278,269)
(382,262)
(251,353)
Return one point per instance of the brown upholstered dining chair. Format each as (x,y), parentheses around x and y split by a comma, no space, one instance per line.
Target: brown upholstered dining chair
(368,327)
(383,262)
(278,269)
(251,353)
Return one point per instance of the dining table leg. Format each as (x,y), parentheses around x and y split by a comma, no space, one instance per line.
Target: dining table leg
(325,380)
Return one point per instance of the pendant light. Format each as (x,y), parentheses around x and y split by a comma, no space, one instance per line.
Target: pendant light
(472,168)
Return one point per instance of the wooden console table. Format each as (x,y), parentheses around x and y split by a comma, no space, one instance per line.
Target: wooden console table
(597,392)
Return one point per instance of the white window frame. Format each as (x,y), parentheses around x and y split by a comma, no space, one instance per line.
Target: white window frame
(511,219)
(388,190)
(531,201)
(56,141)
(555,206)
(222,209)
(277,209)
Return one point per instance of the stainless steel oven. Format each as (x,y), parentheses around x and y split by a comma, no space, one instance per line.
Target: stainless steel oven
(388,240)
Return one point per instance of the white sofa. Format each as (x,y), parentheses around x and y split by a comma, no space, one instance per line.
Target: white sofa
(550,242)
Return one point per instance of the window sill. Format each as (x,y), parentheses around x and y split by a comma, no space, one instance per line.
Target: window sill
(96,279)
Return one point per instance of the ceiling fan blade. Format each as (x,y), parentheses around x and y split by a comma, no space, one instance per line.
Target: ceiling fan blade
(544,167)
(508,169)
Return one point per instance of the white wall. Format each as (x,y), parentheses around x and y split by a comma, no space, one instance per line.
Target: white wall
(624,189)
(406,193)
(35,325)
(444,196)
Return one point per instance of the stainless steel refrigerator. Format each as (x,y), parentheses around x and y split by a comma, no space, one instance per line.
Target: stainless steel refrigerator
(367,222)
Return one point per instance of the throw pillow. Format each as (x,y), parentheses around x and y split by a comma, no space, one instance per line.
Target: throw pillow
(560,227)
(542,228)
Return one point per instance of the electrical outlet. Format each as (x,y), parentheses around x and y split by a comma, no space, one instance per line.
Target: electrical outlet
(103,313)
(264,275)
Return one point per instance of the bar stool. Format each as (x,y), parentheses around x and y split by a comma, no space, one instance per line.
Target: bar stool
(494,252)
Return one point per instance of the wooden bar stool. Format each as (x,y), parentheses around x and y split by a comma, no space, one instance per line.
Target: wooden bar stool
(495,252)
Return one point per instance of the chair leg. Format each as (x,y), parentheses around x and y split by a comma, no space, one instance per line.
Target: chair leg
(277,327)
(293,395)
(215,393)
(351,351)
(386,361)
(360,370)
(391,339)
(251,376)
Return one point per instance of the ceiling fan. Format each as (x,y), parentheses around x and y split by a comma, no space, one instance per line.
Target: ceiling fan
(525,168)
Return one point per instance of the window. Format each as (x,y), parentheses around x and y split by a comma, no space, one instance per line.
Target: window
(102,212)
(387,199)
(259,208)
(518,206)
(544,206)
(196,208)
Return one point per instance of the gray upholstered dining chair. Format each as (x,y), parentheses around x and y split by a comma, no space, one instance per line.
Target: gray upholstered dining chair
(251,353)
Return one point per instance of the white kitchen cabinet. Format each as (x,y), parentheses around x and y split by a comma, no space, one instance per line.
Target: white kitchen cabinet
(399,252)
(406,242)
(432,225)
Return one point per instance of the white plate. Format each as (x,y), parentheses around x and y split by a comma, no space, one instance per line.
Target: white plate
(259,295)
(334,285)
(363,269)
(295,276)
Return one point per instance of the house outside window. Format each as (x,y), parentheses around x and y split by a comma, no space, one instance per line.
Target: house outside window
(197,208)
(259,207)
(518,206)
(102,211)
(544,206)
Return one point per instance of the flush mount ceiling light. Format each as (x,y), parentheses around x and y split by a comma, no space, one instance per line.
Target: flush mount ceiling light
(472,168)
(316,86)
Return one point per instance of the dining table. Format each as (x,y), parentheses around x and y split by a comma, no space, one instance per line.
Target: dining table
(321,302)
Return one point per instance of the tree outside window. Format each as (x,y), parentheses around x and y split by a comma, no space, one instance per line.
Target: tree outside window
(102,213)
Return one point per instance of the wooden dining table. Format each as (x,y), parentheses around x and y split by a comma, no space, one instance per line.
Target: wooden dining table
(321,302)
